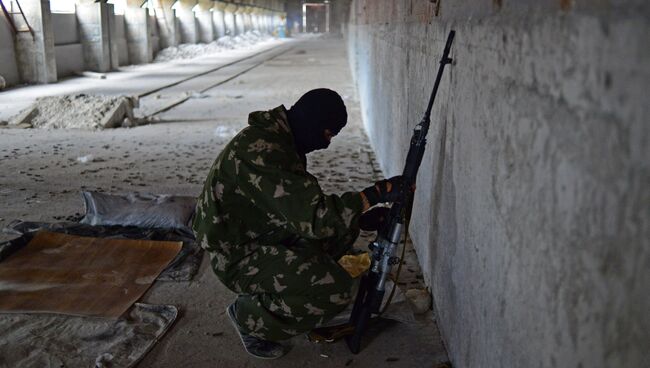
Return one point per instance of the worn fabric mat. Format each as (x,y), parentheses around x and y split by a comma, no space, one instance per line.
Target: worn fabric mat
(46,340)
(69,274)
(182,268)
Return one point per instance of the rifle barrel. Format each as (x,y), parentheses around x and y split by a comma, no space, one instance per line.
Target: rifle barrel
(444,60)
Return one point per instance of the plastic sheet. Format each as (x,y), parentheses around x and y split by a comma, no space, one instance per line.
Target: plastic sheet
(139,209)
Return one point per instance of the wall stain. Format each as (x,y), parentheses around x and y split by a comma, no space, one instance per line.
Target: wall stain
(566,5)
(497,3)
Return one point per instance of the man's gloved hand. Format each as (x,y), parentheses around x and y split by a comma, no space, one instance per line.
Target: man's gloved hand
(387,190)
(374,219)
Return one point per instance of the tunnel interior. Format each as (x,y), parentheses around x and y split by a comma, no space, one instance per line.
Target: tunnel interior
(528,240)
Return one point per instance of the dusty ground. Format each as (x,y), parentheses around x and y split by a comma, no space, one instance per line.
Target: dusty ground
(40,179)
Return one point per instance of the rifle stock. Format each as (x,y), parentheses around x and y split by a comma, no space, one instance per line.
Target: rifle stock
(372,286)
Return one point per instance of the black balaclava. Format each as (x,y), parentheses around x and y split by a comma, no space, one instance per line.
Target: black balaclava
(315,111)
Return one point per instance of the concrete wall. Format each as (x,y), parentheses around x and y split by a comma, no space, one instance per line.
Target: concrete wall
(531,221)
(65,28)
(67,45)
(8,67)
(69,59)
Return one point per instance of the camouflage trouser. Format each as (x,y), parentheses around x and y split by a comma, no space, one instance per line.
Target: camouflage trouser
(288,290)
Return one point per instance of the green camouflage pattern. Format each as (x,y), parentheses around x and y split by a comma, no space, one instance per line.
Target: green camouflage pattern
(272,234)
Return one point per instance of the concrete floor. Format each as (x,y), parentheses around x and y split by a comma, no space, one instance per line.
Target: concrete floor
(40,180)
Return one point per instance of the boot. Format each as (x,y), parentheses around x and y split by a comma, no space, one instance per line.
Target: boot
(255,346)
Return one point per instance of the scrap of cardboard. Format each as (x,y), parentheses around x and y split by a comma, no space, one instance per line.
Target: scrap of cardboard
(67,274)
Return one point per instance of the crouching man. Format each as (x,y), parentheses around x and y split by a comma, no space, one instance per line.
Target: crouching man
(273,237)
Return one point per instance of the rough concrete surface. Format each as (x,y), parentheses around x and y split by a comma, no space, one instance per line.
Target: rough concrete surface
(8,67)
(69,59)
(35,55)
(532,222)
(40,180)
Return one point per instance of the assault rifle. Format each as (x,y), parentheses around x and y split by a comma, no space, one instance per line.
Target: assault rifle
(372,286)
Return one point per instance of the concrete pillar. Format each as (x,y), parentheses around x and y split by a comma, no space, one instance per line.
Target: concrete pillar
(138,37)
(252,16)
(154,33)
(94,33)
(167,24)
(248,19)
(187,20)
(258,19)
(229,17)
(36,57)
(268,21)
(205,25)
(240,28)
(219,23)
(218,18)
(113,36)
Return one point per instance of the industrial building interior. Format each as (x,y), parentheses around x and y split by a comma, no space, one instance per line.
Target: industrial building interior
(528,243)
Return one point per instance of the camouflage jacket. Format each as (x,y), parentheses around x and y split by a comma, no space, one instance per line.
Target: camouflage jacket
(259,191)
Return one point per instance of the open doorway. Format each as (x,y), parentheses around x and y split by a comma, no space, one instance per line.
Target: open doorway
(316,17)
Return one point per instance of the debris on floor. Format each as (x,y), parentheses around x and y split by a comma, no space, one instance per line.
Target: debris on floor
(189,51)
(419,300)
(79,111)
(85,159)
